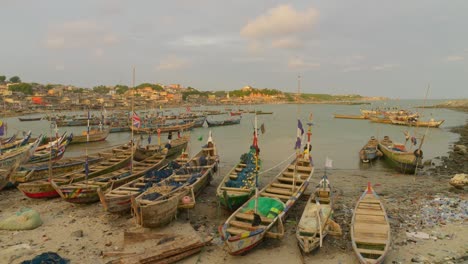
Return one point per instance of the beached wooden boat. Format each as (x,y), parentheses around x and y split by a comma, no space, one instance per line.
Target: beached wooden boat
(158,205)
(417,123)
(381,120)
(38,171)
(87,191)
(370,151)
(12,159)
(52,151)
(176,147)
(370,229)
(226,122)
(15,143)
(119,199)
(238,113)
(351,116)
(315,222)
(94,135)
(263,113)
(401,159)
(114,159)
(243,230)
(8,139)
(239,184)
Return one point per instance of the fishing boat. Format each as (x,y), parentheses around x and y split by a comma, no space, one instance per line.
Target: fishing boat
(158,205)
(263,113)
(380,120)
(399,157)
(38,171)
(87,191)
(263,214)
(165,128)
(176,146)
(370,229)
(119,199)
(370,150)
(12,159)
(114,159)
(95,134)
(239,184)
(11,144)
(226,122)
(238,113)
(316,220)
(30,118)
(417,123)
(351,116)
(53,151)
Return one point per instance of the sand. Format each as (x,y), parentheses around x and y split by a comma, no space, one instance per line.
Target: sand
(82,233)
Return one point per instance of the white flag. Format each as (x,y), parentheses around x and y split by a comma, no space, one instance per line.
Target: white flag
(328,163)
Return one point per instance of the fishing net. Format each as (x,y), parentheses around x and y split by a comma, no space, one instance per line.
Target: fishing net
(25,219)
(268,207)
(245,178)
(47,258)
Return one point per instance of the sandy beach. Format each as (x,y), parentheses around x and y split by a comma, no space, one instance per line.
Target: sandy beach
(423,203)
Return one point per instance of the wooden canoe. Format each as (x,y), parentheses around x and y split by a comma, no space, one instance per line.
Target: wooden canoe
(399,157)
(370,229)
(431,123)
(158,205)
(274,202)
(370,151)
(114,159)
(163,128)
(94,136)
(351,116)
(313,225)
(177,146)
(119,199)
(88,191)
(238,185)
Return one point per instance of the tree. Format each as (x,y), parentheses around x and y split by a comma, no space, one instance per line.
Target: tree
(101,89)
(25,88)
(2,78)
(155,87)
(15,79)
(121,89)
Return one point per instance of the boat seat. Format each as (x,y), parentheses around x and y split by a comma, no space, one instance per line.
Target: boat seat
(250,217)
(360,211)
(371,219)
(370,251)
(279,191)
(245,225)
(282,185)
(274,195)
(284,179)
(370,240)
(371,228)
(300,168)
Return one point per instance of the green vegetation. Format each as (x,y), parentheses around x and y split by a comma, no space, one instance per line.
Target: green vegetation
(101,89)
(155,87)
(2,78)
(241,93)
(121,89)
(25,88)
(193,91)
(15,79)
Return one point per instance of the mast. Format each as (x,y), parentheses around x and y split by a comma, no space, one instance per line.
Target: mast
(298,148)
(256,163)
(133,99)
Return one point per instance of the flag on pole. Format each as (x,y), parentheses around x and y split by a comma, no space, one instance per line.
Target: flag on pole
(188,109)
(136,120)
(262,128)
(2,128)
(149,138)
(300,132)
(328,163)
(200,138)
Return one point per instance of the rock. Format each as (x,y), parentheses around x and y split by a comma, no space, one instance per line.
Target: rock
(77,233)
(459,180)
(420,235)
(108,244)
(419,259)
(427,162)
(460,149)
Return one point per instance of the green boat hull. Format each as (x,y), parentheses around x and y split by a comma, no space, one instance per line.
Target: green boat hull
(232,202)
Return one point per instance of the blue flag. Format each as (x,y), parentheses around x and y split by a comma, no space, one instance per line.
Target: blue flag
(2,128)
(300,132)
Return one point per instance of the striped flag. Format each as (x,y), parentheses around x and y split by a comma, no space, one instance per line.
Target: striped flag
(328,163)
(2,128)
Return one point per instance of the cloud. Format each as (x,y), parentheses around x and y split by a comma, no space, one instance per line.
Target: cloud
(198,41)
(385,67)
(279,21)
(300,64)
(79,34)
(287,43)
(454,58)
(352,69)
(280,27)
(172,63)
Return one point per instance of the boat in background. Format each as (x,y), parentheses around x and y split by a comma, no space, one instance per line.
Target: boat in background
(417,123)
(351,116)
(370,228)
(29,118)
(226,122)
(95,134)
(370,150)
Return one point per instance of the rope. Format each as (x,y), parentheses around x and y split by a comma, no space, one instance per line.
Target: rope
(265,171)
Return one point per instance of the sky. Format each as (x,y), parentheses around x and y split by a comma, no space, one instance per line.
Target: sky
(394,48)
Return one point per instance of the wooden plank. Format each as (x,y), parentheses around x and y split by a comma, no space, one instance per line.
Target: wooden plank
(236,231)
(284,179)
(370,251)
(370,241)
(250,217)
(300,168)
(279,191)
(371,219)
(245,225)
(284,197)
(135,237)
(282,185)
(368,212)
(230,189)
(371,228)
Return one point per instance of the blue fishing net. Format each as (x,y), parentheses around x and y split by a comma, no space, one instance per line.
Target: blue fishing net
(47,258)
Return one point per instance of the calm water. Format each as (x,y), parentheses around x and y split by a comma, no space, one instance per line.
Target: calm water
(337,139)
